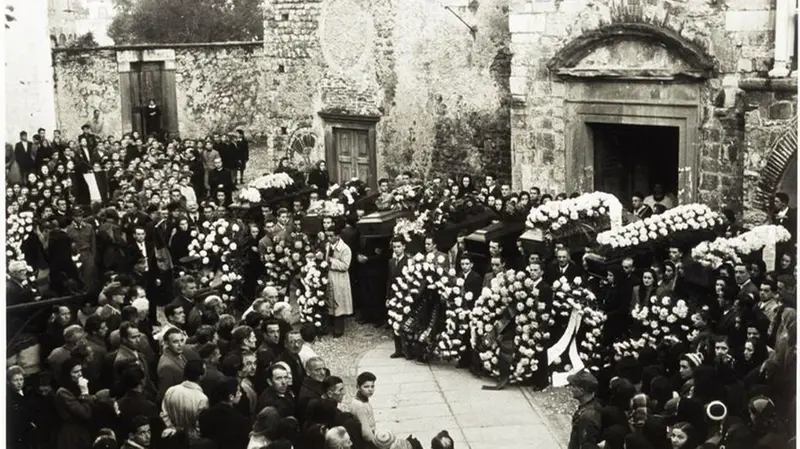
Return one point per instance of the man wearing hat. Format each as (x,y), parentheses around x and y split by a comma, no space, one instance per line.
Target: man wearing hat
(86,132)
(586,422)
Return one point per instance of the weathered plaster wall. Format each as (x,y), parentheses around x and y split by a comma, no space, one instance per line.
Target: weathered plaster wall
(219,89)
(738,34)
(85,81)
(441,94)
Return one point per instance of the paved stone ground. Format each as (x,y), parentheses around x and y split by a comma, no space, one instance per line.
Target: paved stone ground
(418,399)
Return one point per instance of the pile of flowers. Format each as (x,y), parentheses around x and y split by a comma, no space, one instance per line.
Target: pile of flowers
(406,289)
(220,257)
(453,339)
(409,230)
(406,197)
(18,227)
(584,302)
(273,185)
(511,295)
(327,208)
(249,194)
(592,209)
(660,318)
(456,210)
(312,296)
(688,217)
(713,254)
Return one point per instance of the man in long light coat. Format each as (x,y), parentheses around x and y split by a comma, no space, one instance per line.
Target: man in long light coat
(340,302)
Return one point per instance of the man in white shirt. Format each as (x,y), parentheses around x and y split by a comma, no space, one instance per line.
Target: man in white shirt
(660,197)
(183,403)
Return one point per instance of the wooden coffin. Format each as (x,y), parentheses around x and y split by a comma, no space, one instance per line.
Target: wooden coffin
(477,243)
(311,224)
(446,236)
(381,224)
(533,241)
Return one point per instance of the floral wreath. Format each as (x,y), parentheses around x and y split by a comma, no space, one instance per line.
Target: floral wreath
(312,296)
(215,247)
(592,318)
(452,340)
(511,289)
(558,216)
(661,318)
(422,273)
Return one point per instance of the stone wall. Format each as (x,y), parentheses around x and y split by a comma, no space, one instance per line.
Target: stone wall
(218,87)
(441,94)
(85,81)
(737,34)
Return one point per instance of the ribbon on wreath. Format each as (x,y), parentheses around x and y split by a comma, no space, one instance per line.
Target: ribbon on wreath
(568,343)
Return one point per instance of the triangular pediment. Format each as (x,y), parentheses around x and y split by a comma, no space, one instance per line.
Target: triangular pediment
(632,51)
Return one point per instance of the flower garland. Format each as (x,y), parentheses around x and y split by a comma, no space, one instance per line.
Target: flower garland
(659,318)
(407,289)
(219,255)
(511,289)
(18,227)
(278,181)
(558,216)
(688,217)
(452,341)
(249,194)
(583,301)
(312,296)
(713,254)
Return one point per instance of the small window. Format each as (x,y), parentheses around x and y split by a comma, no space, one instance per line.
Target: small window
(62,39)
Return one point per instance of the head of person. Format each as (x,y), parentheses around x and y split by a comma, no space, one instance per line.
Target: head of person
(294,342)
(442,440)
(244,337)
(637,200)
(535,270)
(272,331)
(316,369)
(365,382)
(338,438)
(781,201)
(768,290)
(130,335)
(466,264)
(266,423)
(174,341)
(175,314)
(15,377)
(741,273)
(583,385)
(194,370)
(688,363)
(278,378)
(228,391)
(334,388)
(139,430)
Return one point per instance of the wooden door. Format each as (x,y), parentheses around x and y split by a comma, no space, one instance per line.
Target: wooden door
(351,150)
(146,84)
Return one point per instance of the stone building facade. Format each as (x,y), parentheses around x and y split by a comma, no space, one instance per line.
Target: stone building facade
(602,90)
(565,95)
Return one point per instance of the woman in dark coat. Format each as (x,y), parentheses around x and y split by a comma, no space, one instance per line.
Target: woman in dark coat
(19,407)
(74,406)
(319,177)
(179,242)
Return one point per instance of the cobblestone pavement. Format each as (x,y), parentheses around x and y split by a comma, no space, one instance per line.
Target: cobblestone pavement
(418,399)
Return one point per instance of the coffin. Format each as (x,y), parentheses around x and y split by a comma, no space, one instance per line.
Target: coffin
(381,224)
(278,199)
(533,241)
(367,203)
(477,243)
(447,235)
(311,224)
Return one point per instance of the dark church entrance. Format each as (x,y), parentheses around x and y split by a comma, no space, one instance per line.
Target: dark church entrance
(632,158)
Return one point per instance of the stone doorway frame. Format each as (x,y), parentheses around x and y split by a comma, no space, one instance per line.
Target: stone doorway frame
(579,139)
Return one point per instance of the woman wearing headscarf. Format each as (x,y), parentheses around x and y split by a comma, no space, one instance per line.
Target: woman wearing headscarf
(684,436)
(767,429)
(320,178)
(19,409)
(753,355)
(265,428)
(74,405)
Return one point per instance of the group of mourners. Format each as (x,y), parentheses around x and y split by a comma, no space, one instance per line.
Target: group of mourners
(149,356)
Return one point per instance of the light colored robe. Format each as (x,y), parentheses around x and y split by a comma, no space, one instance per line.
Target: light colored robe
(341,298)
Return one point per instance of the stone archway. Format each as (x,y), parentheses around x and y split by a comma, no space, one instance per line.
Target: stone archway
(631,79)
(698,63)
(781,158)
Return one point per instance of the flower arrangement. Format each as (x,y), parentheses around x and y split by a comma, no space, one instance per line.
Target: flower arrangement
(215,247)
(250,195)
(327,208)
(406,197)
(411,229)
(18,227)
(581,300)
(312,296)
(453,339)
(511,295)
(713,254)
(456,210)
(595,209)
(688,217)
(407,288)
(274,181)
(660,318)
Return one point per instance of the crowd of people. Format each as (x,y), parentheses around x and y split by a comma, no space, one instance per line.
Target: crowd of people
(153,355)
